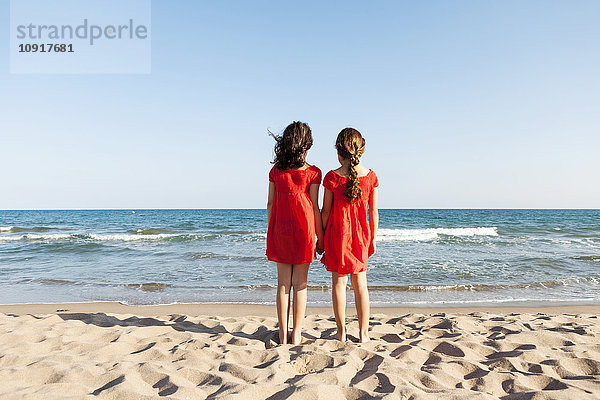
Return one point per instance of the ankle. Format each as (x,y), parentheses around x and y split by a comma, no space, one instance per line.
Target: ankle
(364,337)
(296,336)
(283,339)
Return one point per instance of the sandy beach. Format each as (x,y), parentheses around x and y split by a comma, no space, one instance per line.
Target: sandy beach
(196,351)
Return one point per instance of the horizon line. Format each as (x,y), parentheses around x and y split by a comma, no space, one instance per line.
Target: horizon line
(252,208)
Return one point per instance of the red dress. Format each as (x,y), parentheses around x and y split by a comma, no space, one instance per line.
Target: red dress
(291,234)
(347,239)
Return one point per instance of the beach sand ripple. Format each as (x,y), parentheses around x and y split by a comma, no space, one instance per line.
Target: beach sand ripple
(446,356)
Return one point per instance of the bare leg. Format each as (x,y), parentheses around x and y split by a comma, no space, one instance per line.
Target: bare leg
(361,298)
(289,307)
(299,278)
(284,283)
(339,283)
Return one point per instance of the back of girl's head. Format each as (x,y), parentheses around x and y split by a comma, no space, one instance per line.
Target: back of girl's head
(350,146)
(292,145)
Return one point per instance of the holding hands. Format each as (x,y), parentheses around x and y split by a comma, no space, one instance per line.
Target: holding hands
(319,247)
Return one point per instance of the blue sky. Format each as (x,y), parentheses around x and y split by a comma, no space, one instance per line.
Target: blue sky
(463,104)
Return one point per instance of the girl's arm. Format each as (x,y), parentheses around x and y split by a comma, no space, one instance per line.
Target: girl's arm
(270,200)
(374,216)
(314,198)
(327,203)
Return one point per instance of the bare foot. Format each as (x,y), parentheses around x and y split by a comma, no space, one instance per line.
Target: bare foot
(364,338)
(341,336)
(296,338)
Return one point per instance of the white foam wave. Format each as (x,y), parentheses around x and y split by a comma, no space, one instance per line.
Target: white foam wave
(384,235)
(529,301)
(135,238)
(6,228)
(102,237)
(393,235)
(57,237)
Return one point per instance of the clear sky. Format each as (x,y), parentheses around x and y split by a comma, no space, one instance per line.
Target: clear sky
(463,104)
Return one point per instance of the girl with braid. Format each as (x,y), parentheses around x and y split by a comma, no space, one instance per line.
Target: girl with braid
(350,218)
(294,219)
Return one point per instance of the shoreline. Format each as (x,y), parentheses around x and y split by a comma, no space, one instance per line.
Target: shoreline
(262,310)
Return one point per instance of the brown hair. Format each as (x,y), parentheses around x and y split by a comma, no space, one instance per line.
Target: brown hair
(292,145)
(351,145)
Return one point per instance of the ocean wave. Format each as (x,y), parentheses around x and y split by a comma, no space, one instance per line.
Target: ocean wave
(149,287)
(393,235)
(520,301)
(436,288)
(17,229)
(149,231)
(587,242)
(248,237)
(135,235)
(588,258)
(57,282)
(145,287)
(69,246)
(168,237)
(214,256)
(59,237)
(490,287)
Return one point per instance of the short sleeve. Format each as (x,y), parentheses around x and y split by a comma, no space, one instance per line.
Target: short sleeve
(329,182)
(375,180)
(272,174)
(316,180)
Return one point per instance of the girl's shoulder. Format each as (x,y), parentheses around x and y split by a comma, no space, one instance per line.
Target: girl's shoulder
(373,179)
(368,176)
(332,174)
(313,171)
(314,174)
(307,167)
(314,168)
(331,180)
(275,172)
(362,173)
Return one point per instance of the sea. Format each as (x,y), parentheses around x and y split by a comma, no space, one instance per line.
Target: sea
(424,258)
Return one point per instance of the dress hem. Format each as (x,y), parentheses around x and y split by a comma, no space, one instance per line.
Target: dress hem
(353,271)
(287,262)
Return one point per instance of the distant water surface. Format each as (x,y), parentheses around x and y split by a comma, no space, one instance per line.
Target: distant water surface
(424,257)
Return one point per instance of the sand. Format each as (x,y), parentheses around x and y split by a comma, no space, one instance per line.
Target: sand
(112,351)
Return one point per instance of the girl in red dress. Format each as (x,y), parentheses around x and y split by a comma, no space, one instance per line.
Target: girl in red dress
(294,218)
(350,196)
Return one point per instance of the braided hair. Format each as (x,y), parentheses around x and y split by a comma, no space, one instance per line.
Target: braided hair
(351,145)
(292,145)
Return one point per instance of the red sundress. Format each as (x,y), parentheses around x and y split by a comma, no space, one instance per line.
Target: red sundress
(291,234)
(347,239)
